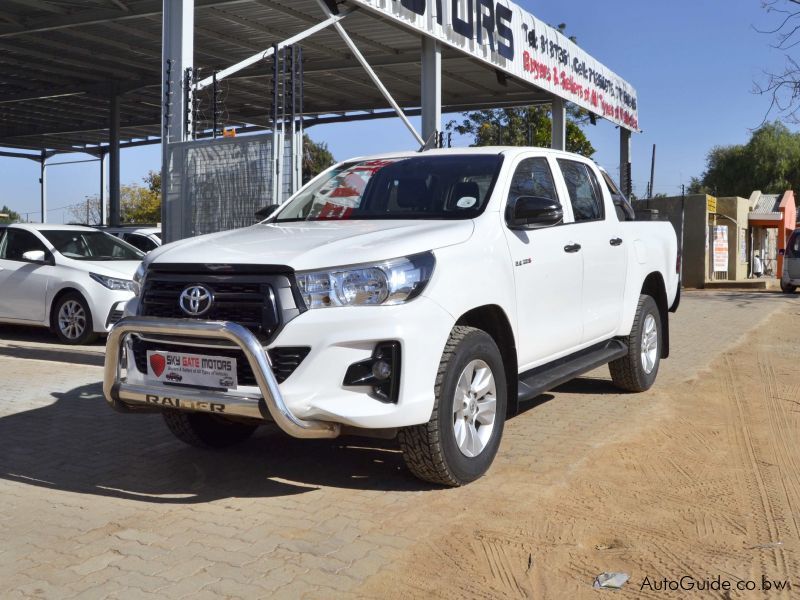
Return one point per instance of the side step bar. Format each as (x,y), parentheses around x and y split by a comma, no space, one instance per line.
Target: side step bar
(539,380)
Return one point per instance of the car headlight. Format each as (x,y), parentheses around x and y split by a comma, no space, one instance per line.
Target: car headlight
(390,282)
(113,283)
(139,276)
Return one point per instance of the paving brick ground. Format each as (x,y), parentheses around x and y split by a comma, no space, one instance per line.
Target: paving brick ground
(101,505)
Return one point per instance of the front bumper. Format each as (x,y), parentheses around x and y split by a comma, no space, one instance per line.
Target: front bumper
(122,395)
(337,338)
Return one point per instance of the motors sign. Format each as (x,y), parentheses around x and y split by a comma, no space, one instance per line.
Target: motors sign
(513,40)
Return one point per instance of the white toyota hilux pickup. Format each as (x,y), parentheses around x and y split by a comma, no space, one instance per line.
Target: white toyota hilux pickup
(420,296)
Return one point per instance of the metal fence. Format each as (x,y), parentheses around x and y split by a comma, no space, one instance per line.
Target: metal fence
(219,184)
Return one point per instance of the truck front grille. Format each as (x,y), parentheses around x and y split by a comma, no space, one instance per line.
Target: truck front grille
(261,302)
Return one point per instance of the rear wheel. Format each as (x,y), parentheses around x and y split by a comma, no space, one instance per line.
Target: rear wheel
(788,288)
(206,431)
(637,370)
(71,320)
(459,442)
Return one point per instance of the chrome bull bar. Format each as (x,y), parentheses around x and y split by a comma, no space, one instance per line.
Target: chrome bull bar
(121,394)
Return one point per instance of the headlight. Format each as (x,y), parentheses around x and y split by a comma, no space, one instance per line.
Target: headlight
(140,272)
(390,282)
(139,276)
(113,283)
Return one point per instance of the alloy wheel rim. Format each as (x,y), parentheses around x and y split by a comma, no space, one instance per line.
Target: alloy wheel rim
(649,344)
(72,319)
(474,408)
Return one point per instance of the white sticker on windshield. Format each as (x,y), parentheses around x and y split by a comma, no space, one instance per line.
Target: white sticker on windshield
(466,202)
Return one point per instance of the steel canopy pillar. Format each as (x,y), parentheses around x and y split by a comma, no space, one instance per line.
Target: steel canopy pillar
(113,163)
(103,196)
(559,122)
(177,43)
(431,87)
(43,185)
(625,181)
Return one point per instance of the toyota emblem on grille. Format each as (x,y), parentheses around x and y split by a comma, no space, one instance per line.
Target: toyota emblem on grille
(196,300)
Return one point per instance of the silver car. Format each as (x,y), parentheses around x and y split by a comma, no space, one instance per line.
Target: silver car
(790,278)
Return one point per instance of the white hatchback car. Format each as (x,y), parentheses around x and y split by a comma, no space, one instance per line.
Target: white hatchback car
(75,280)
(145,239)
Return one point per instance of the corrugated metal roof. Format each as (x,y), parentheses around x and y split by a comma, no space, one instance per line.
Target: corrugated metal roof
(767,203)
(61,61)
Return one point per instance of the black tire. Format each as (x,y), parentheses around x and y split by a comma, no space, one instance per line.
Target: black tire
(787,288)
(206,431)
(76,326)
(431,450)
(629,372)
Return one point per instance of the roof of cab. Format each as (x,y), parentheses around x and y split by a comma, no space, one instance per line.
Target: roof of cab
(504,150)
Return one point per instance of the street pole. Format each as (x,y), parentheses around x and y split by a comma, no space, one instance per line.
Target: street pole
(683,221)
(653,172)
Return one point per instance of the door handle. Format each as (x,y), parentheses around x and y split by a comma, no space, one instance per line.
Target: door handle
(572,248)
(615,241)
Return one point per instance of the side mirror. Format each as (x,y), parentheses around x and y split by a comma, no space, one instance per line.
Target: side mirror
(533,212)
(263,213)
(782,252)
(37,256)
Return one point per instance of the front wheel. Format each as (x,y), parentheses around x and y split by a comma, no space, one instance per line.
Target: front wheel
(788,288)
(637,370)
(72,320)
(459,442)
(206,431)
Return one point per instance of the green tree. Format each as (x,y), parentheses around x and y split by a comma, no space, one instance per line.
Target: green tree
(141,204)
(138,204)
(523,126)
(316,158)
(12,217)
(767,162)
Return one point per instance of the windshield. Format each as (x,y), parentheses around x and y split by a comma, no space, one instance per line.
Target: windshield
(419,187)
(91,245)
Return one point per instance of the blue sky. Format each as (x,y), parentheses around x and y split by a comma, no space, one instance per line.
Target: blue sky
(693,64)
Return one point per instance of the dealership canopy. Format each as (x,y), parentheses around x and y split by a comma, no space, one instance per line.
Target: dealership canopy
(63,61)
(98,75)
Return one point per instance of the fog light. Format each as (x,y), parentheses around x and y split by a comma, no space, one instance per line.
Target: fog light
(381,370)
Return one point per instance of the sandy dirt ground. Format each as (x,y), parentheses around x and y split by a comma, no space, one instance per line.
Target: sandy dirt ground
(695,479)
(701,487)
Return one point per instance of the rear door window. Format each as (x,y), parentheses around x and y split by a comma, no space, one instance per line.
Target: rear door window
(139,241)
(583,189)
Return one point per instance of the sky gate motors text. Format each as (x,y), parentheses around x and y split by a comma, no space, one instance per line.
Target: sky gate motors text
(197,362)
(473,19)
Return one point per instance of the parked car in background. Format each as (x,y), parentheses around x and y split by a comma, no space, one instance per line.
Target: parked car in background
(790,278)
(144,238)
(75,280)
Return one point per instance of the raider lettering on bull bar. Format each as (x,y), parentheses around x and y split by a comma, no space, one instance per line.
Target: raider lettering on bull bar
(212,407)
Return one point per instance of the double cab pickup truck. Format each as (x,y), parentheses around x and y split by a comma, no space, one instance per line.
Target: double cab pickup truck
(421,296)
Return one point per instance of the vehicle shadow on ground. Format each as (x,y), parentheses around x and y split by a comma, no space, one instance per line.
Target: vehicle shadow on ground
(26,333)
(56,354)
(80,444)
(588,385)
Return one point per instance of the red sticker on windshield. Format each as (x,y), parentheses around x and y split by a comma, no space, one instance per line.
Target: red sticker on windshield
(334,211)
